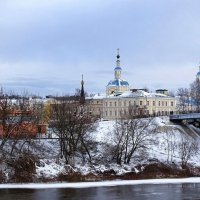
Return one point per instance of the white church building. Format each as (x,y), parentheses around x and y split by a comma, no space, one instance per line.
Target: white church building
(119,98)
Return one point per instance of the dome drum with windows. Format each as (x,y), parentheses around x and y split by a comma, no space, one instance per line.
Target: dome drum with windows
(117,85)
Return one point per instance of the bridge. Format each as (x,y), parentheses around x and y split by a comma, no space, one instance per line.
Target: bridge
(193,118)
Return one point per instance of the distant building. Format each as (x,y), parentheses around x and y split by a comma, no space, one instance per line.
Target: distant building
(119,98)
(21,124)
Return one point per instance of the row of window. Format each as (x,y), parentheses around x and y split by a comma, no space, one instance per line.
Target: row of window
(96,109)
(97,102)
(141,103)
(114,113)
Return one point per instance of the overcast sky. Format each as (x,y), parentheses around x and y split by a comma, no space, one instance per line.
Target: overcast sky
(46,45)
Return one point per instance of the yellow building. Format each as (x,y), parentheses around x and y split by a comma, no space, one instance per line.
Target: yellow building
(119,98)
(146,103)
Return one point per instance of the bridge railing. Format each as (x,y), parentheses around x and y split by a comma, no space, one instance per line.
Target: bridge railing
(185,116)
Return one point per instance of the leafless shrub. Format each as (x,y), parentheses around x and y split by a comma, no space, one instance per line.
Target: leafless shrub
(188,147)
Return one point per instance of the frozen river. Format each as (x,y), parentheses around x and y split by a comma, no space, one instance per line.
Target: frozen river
(179,191)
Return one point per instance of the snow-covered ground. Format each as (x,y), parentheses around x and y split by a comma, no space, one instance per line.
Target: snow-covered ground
(157,150)
(51,165)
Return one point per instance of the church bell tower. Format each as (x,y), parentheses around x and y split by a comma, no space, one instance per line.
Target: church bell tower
(82,95)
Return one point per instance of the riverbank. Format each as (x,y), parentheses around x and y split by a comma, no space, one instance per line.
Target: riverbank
(155,170)
(146,171)
(161,158)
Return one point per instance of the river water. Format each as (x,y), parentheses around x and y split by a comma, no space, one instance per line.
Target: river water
(137,192)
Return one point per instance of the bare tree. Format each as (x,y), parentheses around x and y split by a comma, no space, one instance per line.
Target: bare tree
(170,142)
(71,122)
(131,135)
(5,110)
(134,111)
(171,93)
(188,147)
(19,120)
(184,99)
(195,93)
(78,93)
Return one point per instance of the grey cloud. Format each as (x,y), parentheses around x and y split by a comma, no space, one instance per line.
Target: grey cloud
(60,40)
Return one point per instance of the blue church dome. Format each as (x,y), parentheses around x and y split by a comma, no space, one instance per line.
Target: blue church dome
(198,74)
(118,68)
(118,82)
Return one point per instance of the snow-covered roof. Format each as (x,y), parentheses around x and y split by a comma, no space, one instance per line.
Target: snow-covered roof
(138,93)
(97,96)
(129,94)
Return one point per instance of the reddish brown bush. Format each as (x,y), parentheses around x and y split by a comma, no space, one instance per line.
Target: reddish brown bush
(24,168)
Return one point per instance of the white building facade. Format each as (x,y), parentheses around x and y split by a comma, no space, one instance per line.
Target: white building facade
(119,98)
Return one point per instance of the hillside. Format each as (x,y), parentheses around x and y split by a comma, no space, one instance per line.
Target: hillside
(160,157)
